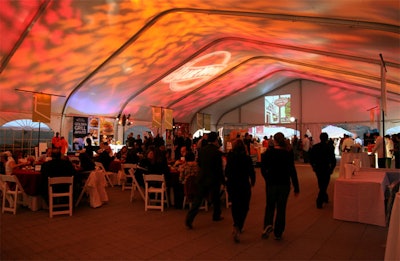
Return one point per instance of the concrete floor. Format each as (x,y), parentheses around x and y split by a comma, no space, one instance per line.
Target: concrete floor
(121,230)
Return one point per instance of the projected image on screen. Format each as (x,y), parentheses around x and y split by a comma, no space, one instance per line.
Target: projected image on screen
(277,109)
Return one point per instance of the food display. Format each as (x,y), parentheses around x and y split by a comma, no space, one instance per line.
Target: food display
(93,129)
(94,122)
(106,128)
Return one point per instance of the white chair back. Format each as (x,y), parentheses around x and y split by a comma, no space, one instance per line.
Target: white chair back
(155,186)
(135,186)
(53,195)
(107,174)
(124,173)
(12,193)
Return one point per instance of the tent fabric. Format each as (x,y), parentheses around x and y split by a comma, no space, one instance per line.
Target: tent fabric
(336,132)
(108,58)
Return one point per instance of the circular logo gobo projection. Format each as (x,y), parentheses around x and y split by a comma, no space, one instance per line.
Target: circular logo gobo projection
(197,71)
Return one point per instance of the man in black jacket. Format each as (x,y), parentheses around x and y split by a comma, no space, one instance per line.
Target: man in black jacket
(323,162)
(210,179)
(57,167)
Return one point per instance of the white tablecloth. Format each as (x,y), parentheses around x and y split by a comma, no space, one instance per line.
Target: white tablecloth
(349,157)
(361,198)
(393,239)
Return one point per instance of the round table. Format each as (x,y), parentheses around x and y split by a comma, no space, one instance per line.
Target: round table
(30,180)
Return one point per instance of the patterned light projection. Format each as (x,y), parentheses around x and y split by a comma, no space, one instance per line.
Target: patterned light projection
(198,71)
(112,57)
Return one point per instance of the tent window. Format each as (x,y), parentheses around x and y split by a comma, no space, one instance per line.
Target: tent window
(23,135)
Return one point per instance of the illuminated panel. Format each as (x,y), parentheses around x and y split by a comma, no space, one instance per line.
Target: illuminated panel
(277,109)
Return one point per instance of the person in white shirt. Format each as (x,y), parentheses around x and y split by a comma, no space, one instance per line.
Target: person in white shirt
(11,164)
(358,141)
(347,143)
(306,147)
(379,150)
(389,150)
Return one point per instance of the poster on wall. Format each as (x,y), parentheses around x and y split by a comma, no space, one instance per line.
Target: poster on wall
(106,129)
(93,130)
(80,127)
(79,132)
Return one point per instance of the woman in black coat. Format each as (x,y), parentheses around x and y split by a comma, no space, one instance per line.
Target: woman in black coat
(241,177)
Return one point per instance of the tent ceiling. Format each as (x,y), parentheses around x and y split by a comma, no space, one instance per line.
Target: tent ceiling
(124,56)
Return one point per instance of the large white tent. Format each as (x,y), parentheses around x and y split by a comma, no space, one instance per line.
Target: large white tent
(125,57)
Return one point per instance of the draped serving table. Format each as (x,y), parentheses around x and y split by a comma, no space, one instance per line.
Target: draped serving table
(361,198)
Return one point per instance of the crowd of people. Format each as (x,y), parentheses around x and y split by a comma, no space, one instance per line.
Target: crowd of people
(213,171)
(387,148)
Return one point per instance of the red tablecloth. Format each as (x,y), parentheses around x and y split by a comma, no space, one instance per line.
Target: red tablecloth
(30,180)
(115,166)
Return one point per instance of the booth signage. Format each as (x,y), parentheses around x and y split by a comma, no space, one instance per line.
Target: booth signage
(80,126)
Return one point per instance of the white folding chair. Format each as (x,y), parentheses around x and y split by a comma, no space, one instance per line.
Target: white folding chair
(155,186)
(107,174)
(126,167)
(12,193)
(135,186)
(59,195)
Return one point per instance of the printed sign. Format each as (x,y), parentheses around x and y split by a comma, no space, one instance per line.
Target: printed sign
(80,127)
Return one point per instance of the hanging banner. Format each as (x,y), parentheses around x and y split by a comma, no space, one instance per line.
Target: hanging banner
(41,108)
(80,127)
(156,123)
(372,116)
(207,121)
(200,120)
(168,119)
